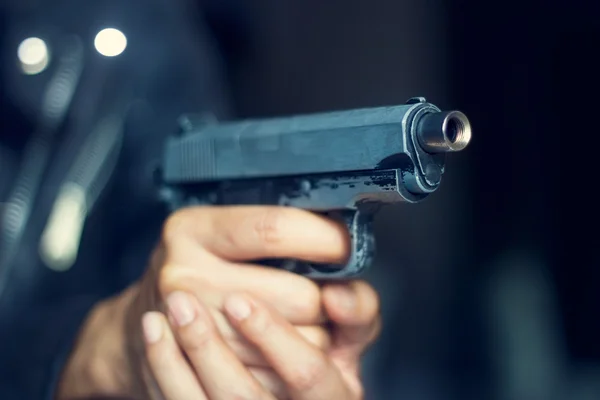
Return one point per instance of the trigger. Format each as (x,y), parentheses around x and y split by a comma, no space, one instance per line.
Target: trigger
(362,248)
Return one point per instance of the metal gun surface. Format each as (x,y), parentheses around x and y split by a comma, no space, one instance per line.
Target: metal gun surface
(345,164)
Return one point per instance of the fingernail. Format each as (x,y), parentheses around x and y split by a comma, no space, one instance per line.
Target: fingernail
(152,326)
(345,297)
(180,308)
(238,307)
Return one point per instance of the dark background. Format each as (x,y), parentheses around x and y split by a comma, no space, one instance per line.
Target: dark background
(490,288)
(501,289)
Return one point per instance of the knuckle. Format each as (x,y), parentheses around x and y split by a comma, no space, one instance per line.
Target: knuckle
(166,279)
(261,323)
(308,376)
(195,338)
(175,225)
(183,235)
(173,277)
(267,227)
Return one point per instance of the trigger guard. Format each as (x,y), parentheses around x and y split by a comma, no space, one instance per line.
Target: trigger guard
(362,253)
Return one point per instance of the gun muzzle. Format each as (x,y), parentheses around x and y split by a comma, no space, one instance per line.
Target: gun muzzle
(444,132)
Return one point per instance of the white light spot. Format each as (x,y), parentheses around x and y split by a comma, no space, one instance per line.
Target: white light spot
(33,55)
(110,42)
(62,236)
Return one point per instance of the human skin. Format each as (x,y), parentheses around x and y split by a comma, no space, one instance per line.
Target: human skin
(200,269)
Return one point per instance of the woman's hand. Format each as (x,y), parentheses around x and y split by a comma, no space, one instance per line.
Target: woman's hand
(189,358)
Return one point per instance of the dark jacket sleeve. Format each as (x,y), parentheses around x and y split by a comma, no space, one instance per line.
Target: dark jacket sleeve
(39,339)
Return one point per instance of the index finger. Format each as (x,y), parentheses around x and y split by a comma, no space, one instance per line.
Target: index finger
(255,232)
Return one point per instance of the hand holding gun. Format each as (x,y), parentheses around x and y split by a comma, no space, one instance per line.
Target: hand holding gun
(204,321)
(344,164)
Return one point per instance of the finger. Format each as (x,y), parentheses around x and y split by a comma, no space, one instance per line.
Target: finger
(170,369)
(249,233)
(216,239)
(353,307)
(305,369)
(297,298)
(265,376)
(249,355)
(271,382)
(221,374)
(318,335)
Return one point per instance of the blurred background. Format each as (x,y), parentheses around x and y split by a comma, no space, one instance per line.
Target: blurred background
(490,288)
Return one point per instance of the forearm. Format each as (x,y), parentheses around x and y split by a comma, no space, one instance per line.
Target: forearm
(98,364)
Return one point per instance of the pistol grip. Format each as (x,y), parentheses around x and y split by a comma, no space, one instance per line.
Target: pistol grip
(362,251)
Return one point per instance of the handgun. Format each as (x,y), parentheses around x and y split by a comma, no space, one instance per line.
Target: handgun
(342,164)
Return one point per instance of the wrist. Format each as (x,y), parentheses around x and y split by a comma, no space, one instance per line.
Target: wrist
(98,365)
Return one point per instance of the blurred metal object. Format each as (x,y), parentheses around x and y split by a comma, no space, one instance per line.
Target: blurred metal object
(55,106)
(87,177)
